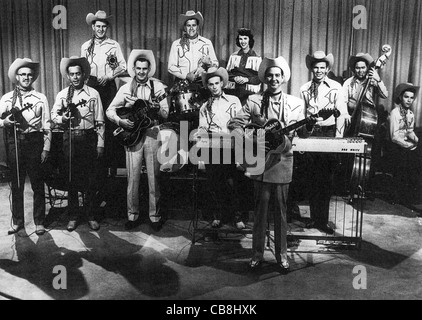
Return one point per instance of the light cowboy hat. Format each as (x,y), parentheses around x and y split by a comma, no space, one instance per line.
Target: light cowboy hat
(319,56)
(215,72)
(191,15)
(23,63)
(135,55)
(279,62)
(74,60)
(402,87)
(366,57)
(99,16)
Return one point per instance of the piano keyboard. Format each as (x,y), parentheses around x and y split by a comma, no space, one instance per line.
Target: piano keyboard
(333,145)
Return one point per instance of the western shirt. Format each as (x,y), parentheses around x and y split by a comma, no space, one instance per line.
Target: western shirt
(352,88)
(90,113)
(400,129)
(244,65)
(37,115)
(223,109)
(329,96)
(183,61)
(107,58)
(125,99)
(288,110)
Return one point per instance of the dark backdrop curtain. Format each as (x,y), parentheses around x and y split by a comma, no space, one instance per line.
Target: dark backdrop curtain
(291,28)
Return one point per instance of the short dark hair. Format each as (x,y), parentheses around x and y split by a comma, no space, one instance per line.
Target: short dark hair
(245,32)
(105,21)
(362,60)
(74,64)
(327,64)
(197,21)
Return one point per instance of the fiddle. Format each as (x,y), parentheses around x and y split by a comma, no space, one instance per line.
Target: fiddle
(16,114)
(71,109)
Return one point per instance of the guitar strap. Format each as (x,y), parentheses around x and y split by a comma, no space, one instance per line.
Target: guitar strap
(151,82)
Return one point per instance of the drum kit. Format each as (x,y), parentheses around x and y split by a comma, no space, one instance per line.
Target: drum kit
(186,101)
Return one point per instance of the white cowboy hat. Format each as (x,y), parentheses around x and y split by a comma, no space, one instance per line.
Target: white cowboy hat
(74,60)
(366,57)
(319,56)
(146,54)
(214,72)
(99,16)
(402,87)
(279,62)
(191,15)
(23,63)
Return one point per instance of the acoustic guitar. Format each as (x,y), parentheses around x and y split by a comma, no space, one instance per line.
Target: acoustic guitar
(143,114)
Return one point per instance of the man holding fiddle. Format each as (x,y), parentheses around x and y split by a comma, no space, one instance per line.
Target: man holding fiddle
(79,111)
(26,118)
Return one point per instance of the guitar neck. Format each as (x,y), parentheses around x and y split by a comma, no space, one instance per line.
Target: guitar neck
(295,126)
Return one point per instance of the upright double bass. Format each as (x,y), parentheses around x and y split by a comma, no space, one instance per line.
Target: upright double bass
(364,122)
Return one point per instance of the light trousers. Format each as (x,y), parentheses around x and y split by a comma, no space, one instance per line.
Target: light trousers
(263,192)
(147,148)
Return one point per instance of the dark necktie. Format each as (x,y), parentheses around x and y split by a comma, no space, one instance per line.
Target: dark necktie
(313,90)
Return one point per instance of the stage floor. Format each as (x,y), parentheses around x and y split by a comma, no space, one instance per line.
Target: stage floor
(116,264)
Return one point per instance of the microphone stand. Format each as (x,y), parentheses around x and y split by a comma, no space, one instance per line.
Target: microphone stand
(15,133)
(70,150)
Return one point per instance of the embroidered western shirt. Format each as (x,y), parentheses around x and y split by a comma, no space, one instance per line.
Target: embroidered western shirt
(90,114)
(222,110)
(182,61)
(125,99)
(352,88)
(106,59)
(329,95)
(402,129)
(244,65)
(37,113)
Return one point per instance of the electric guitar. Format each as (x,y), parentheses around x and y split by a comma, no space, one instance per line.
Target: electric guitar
(275,135)
(142,114)
(275,132)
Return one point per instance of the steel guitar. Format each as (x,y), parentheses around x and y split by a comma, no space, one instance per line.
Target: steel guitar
(332,145)
(356,145)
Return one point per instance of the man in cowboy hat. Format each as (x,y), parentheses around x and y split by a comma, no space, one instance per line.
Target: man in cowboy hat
(106,63)
(26,116)
(322,93)
(259,108)
(404,146)
(79,111)
(141,67)
(243,67)
(192,54)
(214,115)
(362,67)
